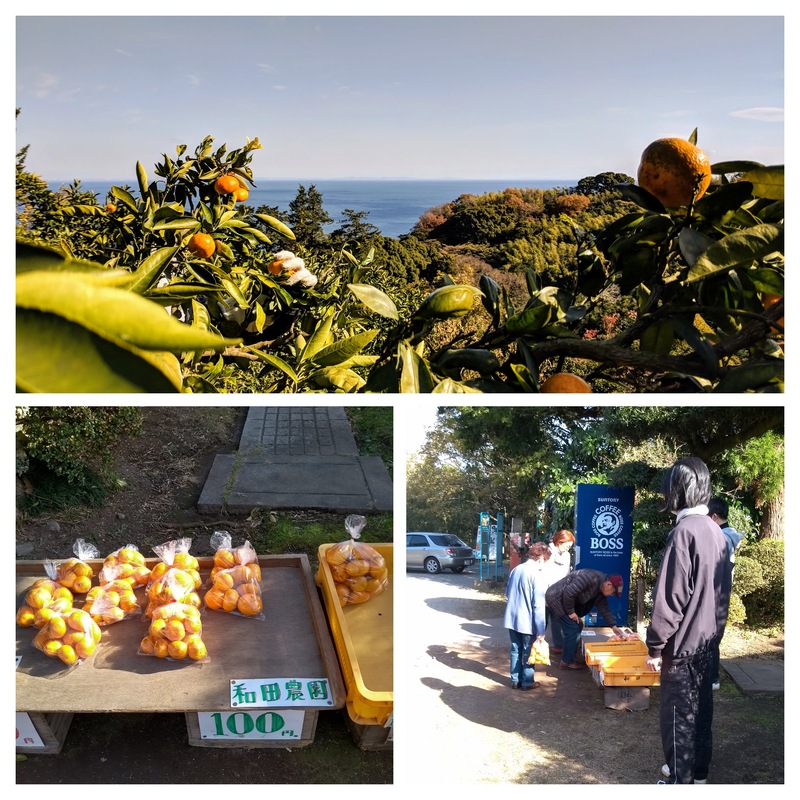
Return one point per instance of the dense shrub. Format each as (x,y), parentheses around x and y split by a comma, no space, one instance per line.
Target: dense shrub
(764,603)
(72,445)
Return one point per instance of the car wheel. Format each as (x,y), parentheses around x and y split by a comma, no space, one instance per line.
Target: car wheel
(458,570)
(432,566)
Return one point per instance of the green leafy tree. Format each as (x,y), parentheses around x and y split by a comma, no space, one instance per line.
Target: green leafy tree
(307,216)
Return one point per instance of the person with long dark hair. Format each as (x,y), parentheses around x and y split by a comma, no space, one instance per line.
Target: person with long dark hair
(690,608)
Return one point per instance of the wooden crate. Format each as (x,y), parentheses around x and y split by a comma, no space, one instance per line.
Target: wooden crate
(293,641)
(370,737)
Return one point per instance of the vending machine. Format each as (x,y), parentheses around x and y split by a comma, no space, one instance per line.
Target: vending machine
(603,540)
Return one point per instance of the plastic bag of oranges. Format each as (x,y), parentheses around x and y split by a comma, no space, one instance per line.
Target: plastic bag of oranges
(175,579)
(236,580)
(125,564)
(176,633)
(112,602)
(175,555)
(227,556)
(74,573)
(359,571)
(43,600)
(71,636)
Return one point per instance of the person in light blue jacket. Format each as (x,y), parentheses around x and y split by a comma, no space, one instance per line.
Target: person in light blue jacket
(525,611)
(718,511)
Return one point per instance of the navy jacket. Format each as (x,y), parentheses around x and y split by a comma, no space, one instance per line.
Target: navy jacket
(692,591)
(580,592)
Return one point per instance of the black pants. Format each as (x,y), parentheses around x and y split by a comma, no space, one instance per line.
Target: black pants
(686,714)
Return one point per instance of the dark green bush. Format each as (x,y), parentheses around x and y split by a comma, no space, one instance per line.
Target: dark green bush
(765,604)
(63,449)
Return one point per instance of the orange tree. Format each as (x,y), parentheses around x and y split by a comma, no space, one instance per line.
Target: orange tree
(139,302)
(91,309)
(702,282)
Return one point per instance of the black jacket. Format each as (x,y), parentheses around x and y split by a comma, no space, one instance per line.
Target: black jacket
(579,592)
(692,591)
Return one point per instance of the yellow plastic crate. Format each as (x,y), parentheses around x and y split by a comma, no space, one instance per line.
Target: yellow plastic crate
(363,637)
(597,651)
(628,670)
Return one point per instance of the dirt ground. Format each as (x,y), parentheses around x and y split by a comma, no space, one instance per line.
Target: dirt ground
(457,682)
(164,470)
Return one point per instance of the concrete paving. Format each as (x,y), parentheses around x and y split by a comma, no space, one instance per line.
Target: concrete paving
(297,457)
(755,676)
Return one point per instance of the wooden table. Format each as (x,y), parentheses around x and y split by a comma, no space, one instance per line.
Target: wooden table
(292,642)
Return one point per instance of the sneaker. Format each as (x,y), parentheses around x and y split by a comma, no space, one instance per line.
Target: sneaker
(697,780)
(514,685)
(714,687)
(665,771)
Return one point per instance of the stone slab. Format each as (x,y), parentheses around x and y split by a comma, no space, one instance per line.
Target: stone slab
(344,484)
(755,676)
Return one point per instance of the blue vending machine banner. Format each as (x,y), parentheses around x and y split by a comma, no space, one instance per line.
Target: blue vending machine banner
(603,538)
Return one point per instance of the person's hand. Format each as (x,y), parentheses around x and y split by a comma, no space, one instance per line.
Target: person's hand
(540,638)
(653,664)
(574,617)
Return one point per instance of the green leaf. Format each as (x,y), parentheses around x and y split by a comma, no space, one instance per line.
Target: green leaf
(697,342)
(723,200)
(126,198)
(415,376)
(277,225)
(344,349)
(278,363)
(449,386)
(729,167)
(530,320)
(767,281)
(122,317)
(767,182)
(641,197)
(319,339)
(739,249)
(223,250)
(150,270)
(141,178)
(184,223)
(753,376)
(525,378)
(337,378)
(693,137)
(658,337)
(692,244)
(236,293)
(55,355)
(259,235)
(374,299)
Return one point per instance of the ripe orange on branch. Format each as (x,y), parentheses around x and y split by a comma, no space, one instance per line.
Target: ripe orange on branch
(202,245)
(675,171)
(226,184)
(565,383)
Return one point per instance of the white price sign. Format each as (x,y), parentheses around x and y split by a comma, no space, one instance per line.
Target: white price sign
(280,693)
(27,736)
(251,725)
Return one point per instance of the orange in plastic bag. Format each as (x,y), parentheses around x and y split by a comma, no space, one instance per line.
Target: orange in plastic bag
(175,633)
(359,571)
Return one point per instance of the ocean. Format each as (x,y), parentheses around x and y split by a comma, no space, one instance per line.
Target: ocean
(393,206)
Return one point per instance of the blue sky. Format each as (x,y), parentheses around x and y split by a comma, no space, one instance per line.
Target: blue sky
(411,96)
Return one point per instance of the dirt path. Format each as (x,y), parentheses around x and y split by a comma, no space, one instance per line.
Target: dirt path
(470,727)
